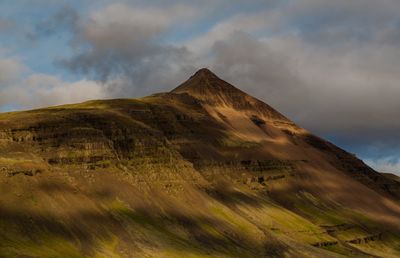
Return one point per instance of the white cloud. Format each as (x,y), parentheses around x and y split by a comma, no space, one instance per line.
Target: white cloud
(10,69)
(387,165)
(249,23)
(126,29)
(40,90)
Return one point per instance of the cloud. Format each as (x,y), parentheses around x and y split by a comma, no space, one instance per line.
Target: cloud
(336,74)
(21,88)
(389,164)
(322,64)
(10,69)
(41,90)
(124,43)
(64,19)
(250,23)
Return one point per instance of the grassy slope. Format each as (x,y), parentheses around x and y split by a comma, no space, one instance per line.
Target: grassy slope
(150,201)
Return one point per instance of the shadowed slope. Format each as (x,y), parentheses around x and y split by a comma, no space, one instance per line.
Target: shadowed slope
(205,86)
(205,170)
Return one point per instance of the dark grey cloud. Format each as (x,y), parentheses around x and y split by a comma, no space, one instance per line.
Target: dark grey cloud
(258,67)
(294,67)
(334,22)
(332,67)
(350,90)
(121,45)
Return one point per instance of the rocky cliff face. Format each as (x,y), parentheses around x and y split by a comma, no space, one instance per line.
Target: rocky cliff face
(205,170)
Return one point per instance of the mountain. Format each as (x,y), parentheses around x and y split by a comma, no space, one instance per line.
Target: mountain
(205,170)
(392,176)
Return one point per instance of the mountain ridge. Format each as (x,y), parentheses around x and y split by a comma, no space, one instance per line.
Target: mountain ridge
(195,171)
(210,89)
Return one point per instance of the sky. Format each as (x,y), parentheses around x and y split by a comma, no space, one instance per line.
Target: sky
(333,67)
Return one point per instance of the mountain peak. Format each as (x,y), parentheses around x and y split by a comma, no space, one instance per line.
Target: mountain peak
(208,88)
(205,85)
(205,73)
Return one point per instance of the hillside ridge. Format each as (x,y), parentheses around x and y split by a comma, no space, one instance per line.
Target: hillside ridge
(205,170)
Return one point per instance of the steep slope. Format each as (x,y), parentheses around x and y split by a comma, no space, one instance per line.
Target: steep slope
(247,116)
(205,170)
(392,176)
